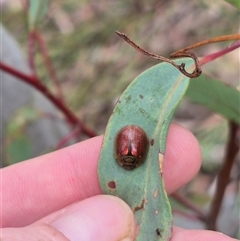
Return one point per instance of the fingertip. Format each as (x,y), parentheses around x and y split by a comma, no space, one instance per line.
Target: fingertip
(101,217)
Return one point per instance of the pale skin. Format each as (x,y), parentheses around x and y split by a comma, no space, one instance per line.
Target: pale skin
(57,197)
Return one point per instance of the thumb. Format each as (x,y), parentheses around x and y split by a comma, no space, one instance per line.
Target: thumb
(103,218)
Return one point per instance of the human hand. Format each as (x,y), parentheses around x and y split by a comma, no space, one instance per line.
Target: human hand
(58,197)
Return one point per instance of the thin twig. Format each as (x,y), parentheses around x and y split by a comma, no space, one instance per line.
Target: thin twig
(197,71)
(212,40)
(67,138)
(185,214)
(48,63)
(36,83)
(211,57)
(224,176)
(185,202)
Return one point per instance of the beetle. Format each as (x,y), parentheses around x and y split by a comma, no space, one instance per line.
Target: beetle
(131,146)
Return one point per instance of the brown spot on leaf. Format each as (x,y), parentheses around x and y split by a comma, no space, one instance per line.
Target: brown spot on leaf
(155,194)
(139,207)
(152,142)
(141,96)
(160,161)
(112,185)
(156,212)
(128,99)
(158,232)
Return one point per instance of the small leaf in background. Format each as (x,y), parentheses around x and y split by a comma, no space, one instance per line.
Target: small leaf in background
(18,150)
(149,102)
(36,12)
(217,96)
(235,3)
(212,141)
(20,119)
(18,146)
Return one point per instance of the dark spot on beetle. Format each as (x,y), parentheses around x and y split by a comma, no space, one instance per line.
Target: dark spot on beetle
(158,232)
(139,207)
(112,185)
(152,142)
(141,96)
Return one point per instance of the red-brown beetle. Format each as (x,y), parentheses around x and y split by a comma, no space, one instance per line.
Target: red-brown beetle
(131,147)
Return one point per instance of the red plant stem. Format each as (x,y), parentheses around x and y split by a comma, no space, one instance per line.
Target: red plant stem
(68,137)
(25,4)
(220,53)
(48,63)
(33,81)
(223,176)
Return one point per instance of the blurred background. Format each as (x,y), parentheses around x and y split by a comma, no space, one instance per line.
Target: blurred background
(94,66)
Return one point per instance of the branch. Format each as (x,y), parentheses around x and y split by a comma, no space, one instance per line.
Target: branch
(181,67)
(185,202)
(35,82)
(224,175)
(186,215)
(48,62)
(66,138)
(211,57)
(211,40)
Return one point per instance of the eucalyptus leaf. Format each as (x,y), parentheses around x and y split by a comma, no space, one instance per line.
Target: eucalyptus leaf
(148,102)
(215,95)
(37,10)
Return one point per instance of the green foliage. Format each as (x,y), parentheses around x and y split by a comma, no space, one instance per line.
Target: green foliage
(18,150)
(94,66)
(18,146)
(217,96)
(37,10)
(212,138)
(149,102)
(235,3)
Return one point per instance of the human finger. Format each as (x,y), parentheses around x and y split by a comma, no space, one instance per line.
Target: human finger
(102,218)
(38,187)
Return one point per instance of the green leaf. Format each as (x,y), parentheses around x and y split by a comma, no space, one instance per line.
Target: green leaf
(37,10)
(17,146)
(215,95)
(149,102)
(235,3)
(21,118)
(18,150)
